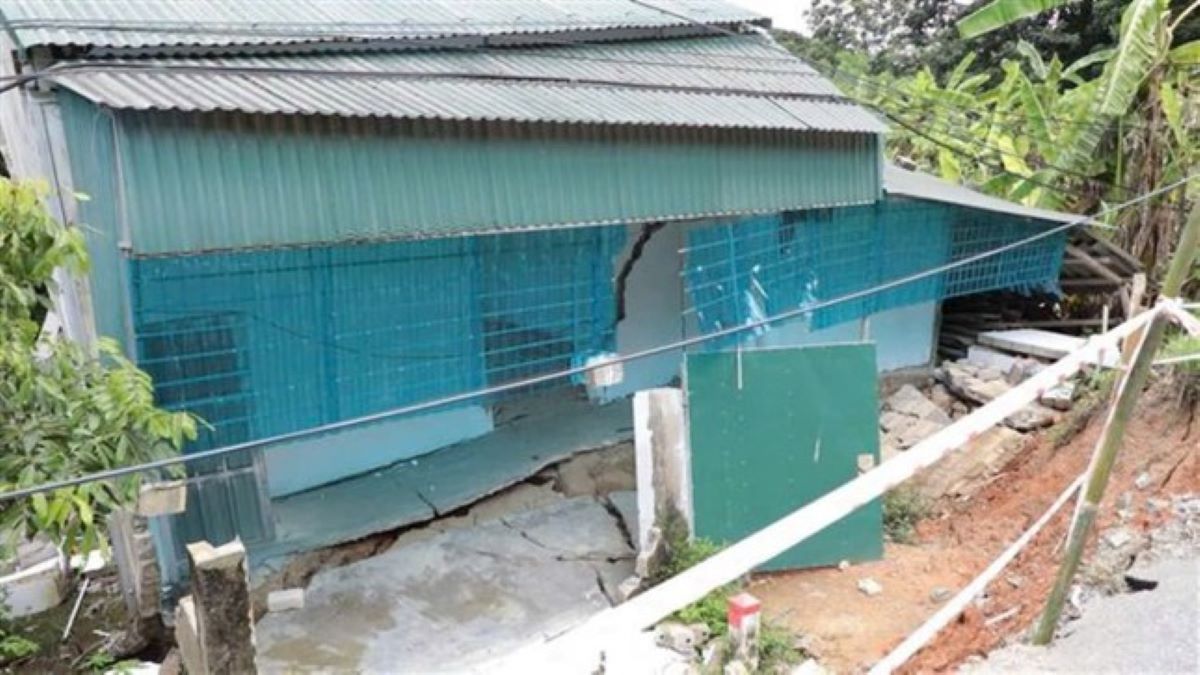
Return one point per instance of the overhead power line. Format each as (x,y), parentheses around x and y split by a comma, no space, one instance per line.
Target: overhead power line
(424,406)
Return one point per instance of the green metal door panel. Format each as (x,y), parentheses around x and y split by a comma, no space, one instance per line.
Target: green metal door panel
(776,432)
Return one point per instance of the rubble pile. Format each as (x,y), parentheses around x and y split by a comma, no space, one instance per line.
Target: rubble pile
(918,410)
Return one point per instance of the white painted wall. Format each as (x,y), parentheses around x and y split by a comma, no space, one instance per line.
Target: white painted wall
(300,465)
(653,309)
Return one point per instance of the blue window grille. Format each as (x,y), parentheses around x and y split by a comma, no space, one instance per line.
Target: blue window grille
(264,342)
(740,271)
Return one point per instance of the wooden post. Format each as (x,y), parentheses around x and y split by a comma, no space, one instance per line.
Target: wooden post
(1129,387)
(1137,292)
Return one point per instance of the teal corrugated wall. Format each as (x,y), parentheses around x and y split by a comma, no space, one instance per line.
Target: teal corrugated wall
(203,182)
(90,145)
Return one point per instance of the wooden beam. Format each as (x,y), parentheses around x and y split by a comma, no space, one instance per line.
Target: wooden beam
(1092,264)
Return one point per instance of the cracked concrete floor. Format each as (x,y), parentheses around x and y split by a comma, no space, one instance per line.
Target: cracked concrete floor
(453,596)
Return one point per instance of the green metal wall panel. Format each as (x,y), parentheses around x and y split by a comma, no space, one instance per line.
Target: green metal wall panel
(774,429)
(219,181)
(90,141)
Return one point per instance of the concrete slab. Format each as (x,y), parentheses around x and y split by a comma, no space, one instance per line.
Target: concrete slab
(1040,343)
(457,599)
(542,430)
(1154,631)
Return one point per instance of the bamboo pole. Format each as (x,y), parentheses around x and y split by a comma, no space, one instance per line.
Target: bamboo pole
(1131,382)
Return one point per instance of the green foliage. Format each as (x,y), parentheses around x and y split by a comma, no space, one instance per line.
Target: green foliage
(903,508)
(711,609)
(64,412)
(1184,375)
(1000,13)
(15,647)
(1073,136)
(776,649)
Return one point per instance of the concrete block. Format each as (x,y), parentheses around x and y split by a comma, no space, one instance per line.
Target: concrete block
(187,636)
(163,498)
(36,588)
(285,600)
(136,562)
(221,592)
(663,463)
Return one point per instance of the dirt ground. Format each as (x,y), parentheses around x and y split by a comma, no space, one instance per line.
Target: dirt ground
(848,631)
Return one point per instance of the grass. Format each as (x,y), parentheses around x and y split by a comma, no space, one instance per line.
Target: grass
(1184,376)
(903,508)
(776,644)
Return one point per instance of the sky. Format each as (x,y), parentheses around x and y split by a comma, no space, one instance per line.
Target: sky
(787,14)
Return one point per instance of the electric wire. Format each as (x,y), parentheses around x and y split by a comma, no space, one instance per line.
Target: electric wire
(483,392)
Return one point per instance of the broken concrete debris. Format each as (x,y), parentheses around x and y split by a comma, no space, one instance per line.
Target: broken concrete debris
(1060,397)
(870,587)
(940,594)
(684,639)
(285,600)
(1142,481)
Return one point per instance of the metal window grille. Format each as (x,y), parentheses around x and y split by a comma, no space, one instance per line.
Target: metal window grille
(740,271)
(265,342)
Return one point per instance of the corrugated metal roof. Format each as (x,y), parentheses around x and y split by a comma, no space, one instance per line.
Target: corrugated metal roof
(724,82)
(898,181)
(222,23)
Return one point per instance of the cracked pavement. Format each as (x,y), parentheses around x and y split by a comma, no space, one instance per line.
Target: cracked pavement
(463,591)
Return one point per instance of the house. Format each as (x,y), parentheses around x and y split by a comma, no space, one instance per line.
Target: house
(304,214)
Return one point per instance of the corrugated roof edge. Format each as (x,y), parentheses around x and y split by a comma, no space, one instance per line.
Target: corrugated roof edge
(918,185)
(172,38)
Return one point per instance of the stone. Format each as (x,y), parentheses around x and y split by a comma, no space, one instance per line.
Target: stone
(893,422)
(1142,481)
(809,667)
(1031,418)
(844,565)
(714,654)
(1060,397)
(1118,537)
(940,396)
(629,588)
(285,600)
(736,667)
(870,587)
(940,594)
(985,391)
(918,432)
(986,374)
(172,663)
(908,400)
(1015,580)
(680,638)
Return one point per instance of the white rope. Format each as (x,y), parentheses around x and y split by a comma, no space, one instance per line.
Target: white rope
(955,606)
(580,650)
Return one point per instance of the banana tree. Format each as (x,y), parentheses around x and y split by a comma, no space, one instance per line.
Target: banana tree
(1143,102)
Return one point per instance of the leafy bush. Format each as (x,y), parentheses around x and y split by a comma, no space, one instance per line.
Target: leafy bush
(903,508)
(64,411)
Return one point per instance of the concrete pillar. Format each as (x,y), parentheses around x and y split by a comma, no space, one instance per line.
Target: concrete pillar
(744,617)
(664,471)
(221,599)
(137,566)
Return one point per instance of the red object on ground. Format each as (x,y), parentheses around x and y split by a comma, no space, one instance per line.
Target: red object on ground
(741,607)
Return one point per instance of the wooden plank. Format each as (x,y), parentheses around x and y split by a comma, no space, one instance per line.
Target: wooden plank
(1081,256)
